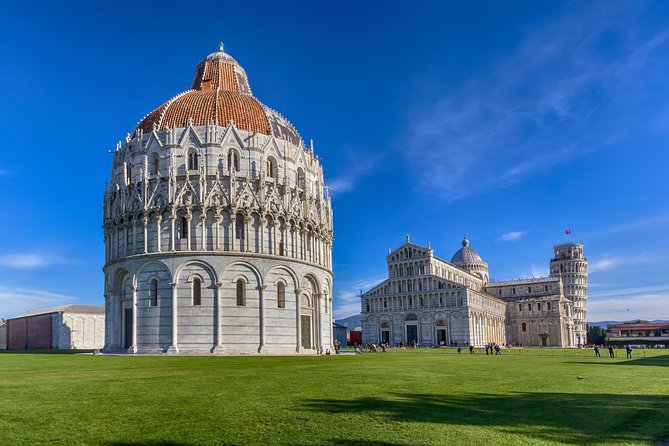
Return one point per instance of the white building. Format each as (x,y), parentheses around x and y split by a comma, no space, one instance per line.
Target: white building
(65,327)
(218,228)
(429,301)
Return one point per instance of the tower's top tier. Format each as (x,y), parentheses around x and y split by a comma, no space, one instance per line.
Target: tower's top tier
(568,251)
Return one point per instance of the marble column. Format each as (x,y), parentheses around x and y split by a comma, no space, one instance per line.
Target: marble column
(203,232)
(146,235)
(233,232)
(159,220)
(261,314)
(174,348)
(133,347)
(298,312)
(218,348)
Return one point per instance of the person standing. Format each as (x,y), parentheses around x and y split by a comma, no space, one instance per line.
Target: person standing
(597,354)
(612,354)
(459,349)
(629,351)
(471,349)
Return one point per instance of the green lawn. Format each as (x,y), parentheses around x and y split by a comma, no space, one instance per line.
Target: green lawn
(402,397)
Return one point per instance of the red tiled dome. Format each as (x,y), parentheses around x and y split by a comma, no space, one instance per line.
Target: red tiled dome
(220,94)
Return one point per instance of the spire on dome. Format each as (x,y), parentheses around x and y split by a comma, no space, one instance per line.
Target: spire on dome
(220,46)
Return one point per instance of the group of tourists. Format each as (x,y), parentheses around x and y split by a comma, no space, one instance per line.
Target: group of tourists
(489,348)
(612,351)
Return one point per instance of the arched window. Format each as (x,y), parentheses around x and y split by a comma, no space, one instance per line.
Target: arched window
(239,230)
(128,171)
(281,295)
(272,170)
(300,178)
(197,291)
(192,160)
(153,293)
(524,326)
(154,164)
(184,227)
(241,293)
(233,161)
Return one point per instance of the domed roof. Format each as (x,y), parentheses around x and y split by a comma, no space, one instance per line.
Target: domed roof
(466,255)
(220,94)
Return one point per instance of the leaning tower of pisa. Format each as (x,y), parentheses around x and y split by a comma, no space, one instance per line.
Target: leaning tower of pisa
(570,265)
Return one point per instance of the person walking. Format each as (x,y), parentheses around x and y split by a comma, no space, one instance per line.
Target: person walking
(597,354)
(629,351)
(612,354)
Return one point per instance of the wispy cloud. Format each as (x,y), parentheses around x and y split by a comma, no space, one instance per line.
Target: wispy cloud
(629,303)
(512,236)
(627,226)
(556,97)
(28,261)
(612,261)
(347,299)
(357,163)
(15,301)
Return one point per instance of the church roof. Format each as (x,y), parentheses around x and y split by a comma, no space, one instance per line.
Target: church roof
(531,280)
(466,255)
(220,95)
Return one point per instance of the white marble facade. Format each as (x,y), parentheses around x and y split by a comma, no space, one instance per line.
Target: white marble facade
(218,236)
(429,301)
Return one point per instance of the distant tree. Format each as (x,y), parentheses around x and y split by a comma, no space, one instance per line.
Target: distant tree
(638,321)
(596,334)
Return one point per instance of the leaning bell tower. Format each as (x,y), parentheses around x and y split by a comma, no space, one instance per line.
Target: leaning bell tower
(570,265)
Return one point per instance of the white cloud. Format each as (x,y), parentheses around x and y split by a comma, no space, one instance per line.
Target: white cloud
(512,236)
(611,261)
(629,303)
(347,298)
(627,226)
(15,301)
(356,164)
(27,261)
(539,107)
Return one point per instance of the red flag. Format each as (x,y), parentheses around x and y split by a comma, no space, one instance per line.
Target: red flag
(568,231)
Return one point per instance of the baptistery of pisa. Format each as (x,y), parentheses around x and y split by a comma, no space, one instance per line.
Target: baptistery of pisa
(218,228)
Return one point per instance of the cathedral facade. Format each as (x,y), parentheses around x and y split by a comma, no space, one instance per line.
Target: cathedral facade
(217,227)
(429,301)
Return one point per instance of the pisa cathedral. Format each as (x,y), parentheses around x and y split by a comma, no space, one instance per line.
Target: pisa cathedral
(429,301)
(218,228)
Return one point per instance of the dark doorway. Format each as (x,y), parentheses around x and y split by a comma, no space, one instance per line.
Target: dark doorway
(441,336)
(412,333)
(385,337)
(544,341)
(127,342)
(306,331)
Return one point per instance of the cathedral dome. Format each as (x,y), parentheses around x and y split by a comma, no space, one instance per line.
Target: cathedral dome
(466,255)
(220,94)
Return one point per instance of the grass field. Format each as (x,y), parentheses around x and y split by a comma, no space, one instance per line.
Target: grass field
(402,397)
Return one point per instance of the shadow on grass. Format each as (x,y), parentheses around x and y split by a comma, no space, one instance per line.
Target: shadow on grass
(658,361)
(567,418)
(148,443)
(346,442)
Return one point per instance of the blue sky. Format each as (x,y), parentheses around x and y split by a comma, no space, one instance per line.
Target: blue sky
(508,121)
